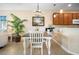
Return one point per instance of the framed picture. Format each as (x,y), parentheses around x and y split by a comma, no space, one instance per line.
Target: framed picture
(37,21)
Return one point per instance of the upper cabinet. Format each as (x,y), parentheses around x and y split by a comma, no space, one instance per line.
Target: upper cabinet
(67,18)
(61,16)
(77,15)
(74,16)
(70,18)
(64,18)
(56,18)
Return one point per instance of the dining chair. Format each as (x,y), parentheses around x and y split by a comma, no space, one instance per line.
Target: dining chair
(36,40)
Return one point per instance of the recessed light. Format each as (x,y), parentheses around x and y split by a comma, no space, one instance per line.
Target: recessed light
(54,15)
(61,10)
(54,4)
(69,5)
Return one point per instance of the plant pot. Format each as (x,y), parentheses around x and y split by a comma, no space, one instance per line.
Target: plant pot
(16,38)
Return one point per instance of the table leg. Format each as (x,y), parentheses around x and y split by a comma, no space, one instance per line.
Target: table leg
(24,46)
(49,44)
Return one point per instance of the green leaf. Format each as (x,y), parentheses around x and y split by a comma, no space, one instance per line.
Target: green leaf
(17,24)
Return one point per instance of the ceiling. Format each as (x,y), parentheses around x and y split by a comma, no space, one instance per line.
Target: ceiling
(42,6)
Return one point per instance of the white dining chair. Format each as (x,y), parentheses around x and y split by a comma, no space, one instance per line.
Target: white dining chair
(36,40)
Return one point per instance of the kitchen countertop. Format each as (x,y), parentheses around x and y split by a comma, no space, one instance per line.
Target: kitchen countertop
(66,26)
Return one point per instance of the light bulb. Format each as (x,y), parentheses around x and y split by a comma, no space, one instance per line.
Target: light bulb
(54,15)
(69,5)
(61,10)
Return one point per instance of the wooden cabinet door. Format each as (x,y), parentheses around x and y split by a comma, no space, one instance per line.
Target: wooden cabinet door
(74,15)
(77,15)
(65,18)
(70,18)
(56,18)
(61,18)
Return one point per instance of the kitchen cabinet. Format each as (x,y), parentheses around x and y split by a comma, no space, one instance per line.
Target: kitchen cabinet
(77,15)
(58,18)
(65,21)
(74,16)
(67,18)
(63,18)
(55,18)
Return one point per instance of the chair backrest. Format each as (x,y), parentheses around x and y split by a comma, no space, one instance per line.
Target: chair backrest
(36,38)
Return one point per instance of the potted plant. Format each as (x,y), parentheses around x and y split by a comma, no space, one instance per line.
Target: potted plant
(17,26)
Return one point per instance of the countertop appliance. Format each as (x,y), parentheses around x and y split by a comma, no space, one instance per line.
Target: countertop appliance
(75,21)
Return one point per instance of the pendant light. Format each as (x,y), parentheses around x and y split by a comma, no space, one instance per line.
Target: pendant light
(38,12)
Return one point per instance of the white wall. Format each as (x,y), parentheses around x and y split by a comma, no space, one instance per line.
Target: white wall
(28,15)
(70,39)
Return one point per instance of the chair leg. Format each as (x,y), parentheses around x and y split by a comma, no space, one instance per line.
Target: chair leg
(46,43)
(31,50)
(42,51)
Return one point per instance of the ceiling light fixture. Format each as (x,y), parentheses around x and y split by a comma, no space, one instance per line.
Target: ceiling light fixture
(54,15)
(37,12)
(69,5)
(54,4)
(61,10)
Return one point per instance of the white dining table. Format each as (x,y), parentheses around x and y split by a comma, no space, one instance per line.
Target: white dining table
(48,46)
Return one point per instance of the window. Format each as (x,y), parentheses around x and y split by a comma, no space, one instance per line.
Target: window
(3,23)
